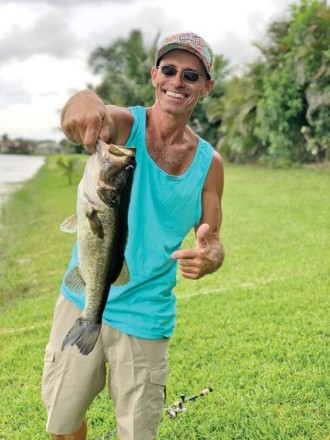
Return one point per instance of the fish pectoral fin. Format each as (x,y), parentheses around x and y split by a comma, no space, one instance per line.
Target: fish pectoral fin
(70,224)
(123,277)
(75,281)
(95,224)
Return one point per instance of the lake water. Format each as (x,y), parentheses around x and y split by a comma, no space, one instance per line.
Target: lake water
(16,169)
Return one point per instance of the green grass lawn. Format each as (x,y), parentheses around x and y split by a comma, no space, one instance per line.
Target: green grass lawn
(257,331)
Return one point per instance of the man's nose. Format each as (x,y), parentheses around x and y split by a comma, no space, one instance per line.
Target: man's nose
(178,77)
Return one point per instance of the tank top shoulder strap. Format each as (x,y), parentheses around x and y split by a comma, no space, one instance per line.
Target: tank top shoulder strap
(138,131)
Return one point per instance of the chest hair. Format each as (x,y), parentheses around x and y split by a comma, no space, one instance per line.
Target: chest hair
(174,159)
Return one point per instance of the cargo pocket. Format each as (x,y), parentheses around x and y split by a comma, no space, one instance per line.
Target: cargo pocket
(155,396)
(48,379)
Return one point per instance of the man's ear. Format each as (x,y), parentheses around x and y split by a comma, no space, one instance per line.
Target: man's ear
(208,87)
(153,73)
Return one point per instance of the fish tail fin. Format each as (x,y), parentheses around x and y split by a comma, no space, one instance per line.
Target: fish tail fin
(83,334)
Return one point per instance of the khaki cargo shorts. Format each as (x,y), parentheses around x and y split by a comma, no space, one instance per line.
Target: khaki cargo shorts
(137,378)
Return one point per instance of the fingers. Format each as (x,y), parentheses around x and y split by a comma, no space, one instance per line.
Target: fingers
(191,269)
(95,127)
(105,129)
(191,262)
(184,253)
(90,137)
(201,235)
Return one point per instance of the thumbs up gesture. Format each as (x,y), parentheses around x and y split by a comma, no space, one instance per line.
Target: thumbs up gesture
(204,258)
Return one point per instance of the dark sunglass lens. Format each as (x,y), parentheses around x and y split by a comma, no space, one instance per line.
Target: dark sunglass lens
(168,70)
(190,76)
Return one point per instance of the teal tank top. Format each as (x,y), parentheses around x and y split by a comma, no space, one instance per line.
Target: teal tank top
(163,209)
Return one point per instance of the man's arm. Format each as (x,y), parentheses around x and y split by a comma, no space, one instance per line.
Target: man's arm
(85,119)
(208,254)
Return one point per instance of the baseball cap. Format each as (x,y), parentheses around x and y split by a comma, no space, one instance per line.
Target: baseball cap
(192,43)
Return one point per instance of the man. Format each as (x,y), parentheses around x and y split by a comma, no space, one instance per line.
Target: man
(178,185)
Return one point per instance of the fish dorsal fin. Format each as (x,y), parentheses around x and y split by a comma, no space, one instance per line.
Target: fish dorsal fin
(75,282)
(70,224)
(123,277)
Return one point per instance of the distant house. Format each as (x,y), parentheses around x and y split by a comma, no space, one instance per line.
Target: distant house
(48,147)
(8,146)
(18,146)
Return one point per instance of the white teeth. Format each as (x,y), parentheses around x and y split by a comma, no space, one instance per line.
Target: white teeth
(175,95)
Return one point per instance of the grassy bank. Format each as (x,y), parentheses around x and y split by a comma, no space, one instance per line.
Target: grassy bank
(257,331)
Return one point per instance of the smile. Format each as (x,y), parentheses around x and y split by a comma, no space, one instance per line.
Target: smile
(175,95)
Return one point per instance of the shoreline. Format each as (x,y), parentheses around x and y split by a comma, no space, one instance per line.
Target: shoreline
(15,170)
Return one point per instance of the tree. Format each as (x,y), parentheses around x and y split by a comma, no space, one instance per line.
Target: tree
(68,166)
(125,66)
(293,113)
(70,147)
(237,111)
(279,110)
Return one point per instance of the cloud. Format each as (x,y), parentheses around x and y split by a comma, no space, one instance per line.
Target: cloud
(65,3)
(13,93)
(136,18)
(235,49)
(47,30)
(50,35)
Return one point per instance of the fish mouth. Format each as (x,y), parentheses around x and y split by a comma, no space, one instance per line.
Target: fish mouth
(115,153)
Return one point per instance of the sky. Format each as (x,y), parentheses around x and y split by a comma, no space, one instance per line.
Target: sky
(45,45)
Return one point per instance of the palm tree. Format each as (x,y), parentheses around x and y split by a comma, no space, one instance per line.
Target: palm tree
(68,166)
(125,66)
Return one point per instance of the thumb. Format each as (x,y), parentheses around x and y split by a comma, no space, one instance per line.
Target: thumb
(201,235)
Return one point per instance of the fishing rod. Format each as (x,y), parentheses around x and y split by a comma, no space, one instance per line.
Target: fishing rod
(178,407)
(108,435)
(172,410)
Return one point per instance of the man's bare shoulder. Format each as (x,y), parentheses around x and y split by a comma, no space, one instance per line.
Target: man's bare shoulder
(217,164)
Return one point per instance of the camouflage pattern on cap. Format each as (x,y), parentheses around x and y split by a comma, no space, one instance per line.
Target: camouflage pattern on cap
(192,43)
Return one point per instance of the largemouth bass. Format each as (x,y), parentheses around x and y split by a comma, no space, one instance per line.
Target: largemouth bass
(101,225)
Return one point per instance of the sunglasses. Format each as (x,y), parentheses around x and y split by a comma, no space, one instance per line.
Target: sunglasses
(188,75)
